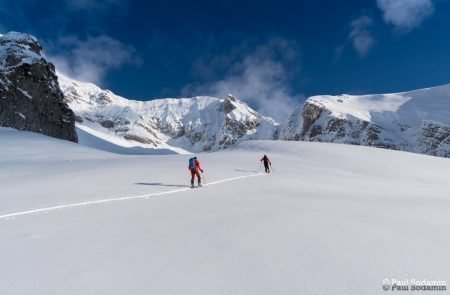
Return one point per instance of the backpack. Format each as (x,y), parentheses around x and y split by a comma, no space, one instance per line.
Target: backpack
(192,163)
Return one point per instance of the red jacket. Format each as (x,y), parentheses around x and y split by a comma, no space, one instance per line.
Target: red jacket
(197,166)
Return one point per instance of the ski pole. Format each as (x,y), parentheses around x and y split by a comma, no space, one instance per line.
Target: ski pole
(204,179)
(259,168)
(273,170)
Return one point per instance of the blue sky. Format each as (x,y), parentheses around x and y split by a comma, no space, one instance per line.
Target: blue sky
(272,54)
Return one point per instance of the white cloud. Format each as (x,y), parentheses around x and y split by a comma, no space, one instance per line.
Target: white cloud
(260,78)
(405,15)
(89,60)
(361,36)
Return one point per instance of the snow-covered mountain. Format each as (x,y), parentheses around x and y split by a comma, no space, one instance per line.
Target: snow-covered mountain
(416,121)
(187,124)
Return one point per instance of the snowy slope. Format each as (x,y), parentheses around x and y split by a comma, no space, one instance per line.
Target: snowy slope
(416,121)
(332,219)
(181,125)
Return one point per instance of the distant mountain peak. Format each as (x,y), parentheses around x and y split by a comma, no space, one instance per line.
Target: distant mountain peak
(194,124)
(415,121)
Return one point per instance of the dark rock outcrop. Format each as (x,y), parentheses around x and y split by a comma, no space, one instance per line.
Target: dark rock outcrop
(140,139)
(30,97)
(107,123)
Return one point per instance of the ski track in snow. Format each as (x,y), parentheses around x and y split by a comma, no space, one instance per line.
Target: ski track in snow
(60,207)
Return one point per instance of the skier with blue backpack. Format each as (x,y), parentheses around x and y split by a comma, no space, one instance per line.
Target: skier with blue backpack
(194,167)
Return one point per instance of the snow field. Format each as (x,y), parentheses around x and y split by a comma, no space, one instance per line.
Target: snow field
(332,219)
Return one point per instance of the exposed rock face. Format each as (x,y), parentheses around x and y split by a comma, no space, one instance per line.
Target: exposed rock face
(416,121)
(30,97)
(107,123)
(434,139)
(192,124)
(235,128)
(319,124)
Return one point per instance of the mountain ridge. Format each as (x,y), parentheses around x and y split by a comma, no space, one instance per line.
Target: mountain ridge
(194,124)
(36,98)
(414,121)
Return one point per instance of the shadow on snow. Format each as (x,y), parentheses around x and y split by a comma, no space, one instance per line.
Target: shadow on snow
(248,171)
(161,184)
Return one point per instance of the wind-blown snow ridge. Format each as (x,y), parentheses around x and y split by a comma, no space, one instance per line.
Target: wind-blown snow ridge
(109,200)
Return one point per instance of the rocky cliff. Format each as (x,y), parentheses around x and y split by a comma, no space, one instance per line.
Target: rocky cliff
(30,98)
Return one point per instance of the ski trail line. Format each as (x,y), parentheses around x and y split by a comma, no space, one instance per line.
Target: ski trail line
(59,207)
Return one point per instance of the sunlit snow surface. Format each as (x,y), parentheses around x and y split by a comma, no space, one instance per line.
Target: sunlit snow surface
(331,219)
(407,107)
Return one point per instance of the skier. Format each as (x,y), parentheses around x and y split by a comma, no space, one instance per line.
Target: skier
(266,163)
(194,167)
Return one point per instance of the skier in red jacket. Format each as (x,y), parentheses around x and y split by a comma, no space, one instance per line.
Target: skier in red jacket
(194,167)
(266,163)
